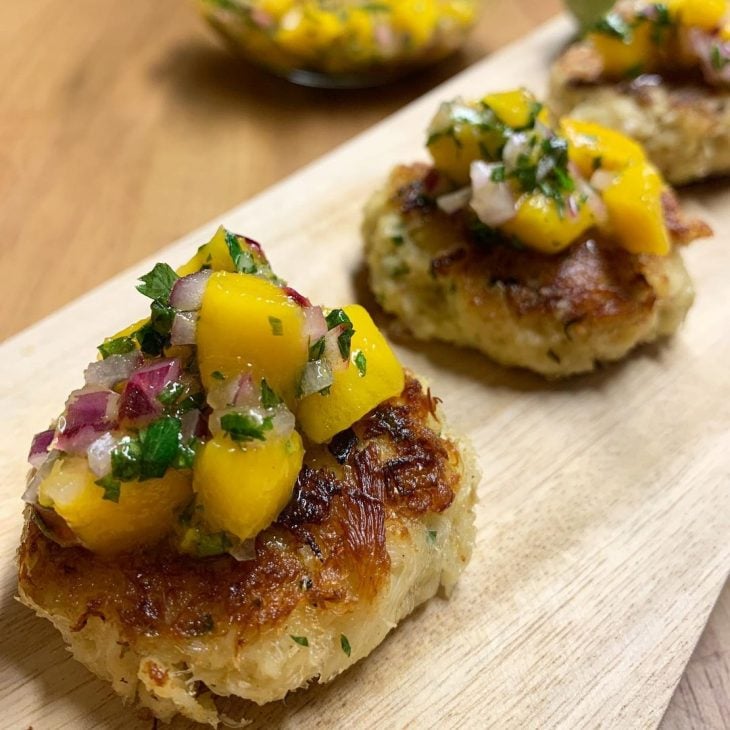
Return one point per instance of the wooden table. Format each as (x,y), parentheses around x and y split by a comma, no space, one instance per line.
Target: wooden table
(123,126)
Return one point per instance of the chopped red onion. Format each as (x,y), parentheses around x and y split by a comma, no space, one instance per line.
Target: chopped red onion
(114,369)
(99,455)
(193,424)
(300,299)
(39,447)
(236,391)
(317,376)
(88,413)
(187,292)
(315,325)
(245,550)
(517,145)
(246,394)
(451,202)
(332,353)
(139,398)
(183,329)
(492,201)
(36,476)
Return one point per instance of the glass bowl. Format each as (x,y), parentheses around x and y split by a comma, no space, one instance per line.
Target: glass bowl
(342,43)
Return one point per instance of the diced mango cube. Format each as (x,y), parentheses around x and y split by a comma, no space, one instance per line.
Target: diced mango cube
(591,146)
(636,214)
(247,324)
(516,108)
(460,135)
(705,14)
(243,487)
(543,224)
(625,57)
(372,376)
(145,513)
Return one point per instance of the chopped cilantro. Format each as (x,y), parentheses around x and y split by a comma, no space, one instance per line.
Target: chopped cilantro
(246,426)
(613,25)
(212,544)
(118,346)
(361,363)
(301,640)
(217,375)
(269,399)
(336,318)
(499,174)
(158,283)
(111,487)
(242,258)
(170,393)
(160,446)
(431,536)
(150,341)
(185,457)
(277,326)
(345,644)
(597,163)
(718,59)
(316,349)
(125,457)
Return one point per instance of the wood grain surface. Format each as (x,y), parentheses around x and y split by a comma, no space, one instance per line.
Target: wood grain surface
(122,126)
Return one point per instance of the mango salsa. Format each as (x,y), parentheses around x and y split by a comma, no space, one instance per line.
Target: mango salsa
(243,487)
(145,513)
(372,376)
(247,324)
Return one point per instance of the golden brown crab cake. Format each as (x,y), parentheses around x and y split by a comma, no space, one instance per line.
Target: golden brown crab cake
(379,520)
(557,314)
(670,92)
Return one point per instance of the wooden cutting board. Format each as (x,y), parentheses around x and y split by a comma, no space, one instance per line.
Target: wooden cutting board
(604,512)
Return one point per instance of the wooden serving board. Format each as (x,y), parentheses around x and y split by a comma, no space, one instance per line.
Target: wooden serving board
(604,512)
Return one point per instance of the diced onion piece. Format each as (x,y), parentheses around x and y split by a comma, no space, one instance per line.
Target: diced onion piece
(315,325)
(245,550)
(36,476)
(316,377)
(284,422)
(492,201)
(516,146)
(88,413)
(192,424)
(602,179)
(114,369)
(99,455)
(332,353)
(183,329)
(187,292)
(139,398)
(39,447)
(451,202)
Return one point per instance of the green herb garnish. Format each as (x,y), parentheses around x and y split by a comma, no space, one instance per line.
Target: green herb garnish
(277,326)
(246,426)
(170,393)
(336,318)
(269,399)
(118,346)
(217,375)
(158,283)
(345,644)
(301,640)
(361,363)
(316,350)
(111,487)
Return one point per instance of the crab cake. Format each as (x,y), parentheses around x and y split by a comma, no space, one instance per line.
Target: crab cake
(250,553)
(659,73)
(552,286)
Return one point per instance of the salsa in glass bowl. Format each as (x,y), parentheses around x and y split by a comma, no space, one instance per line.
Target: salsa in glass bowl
(342,43)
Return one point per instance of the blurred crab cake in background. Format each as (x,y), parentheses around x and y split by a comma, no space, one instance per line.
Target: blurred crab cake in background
(247,494)
(549,246)
(660,73)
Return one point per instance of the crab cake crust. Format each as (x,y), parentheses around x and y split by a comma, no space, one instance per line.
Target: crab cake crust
(555,314)
(378,521)
(683,123)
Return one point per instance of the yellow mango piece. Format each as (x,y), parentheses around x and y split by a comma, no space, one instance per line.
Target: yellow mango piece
(216,255)
(243,487)
(541,224)
(621,58)
(513,108)
(636,215)
(145,513)
(591,146)
(355,391)
(247,324)
(458,140)
(705,14)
